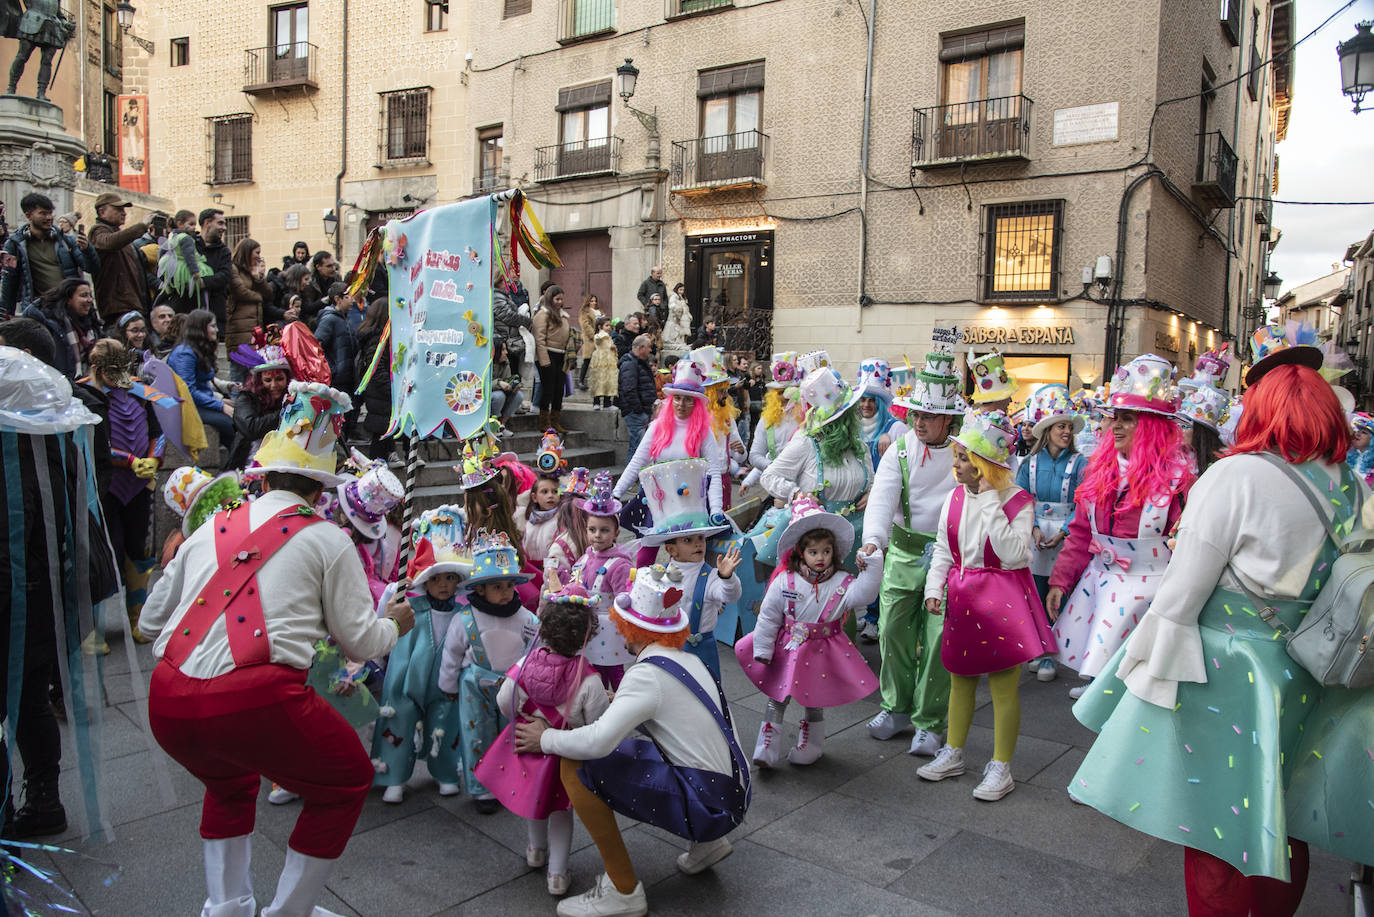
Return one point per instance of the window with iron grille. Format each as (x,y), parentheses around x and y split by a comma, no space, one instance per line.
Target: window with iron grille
(516,8)
(229,149)
(235,231)
(1020,251)
(436,15)
(405,126)
(181,52)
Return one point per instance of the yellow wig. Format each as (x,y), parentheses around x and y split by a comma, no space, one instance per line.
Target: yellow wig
(722,414)
(1000,478)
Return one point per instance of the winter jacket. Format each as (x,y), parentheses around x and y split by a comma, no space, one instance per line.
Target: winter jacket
(72,337)
(624,340)
(648,288)
(243,310)
(550,336)
(216,286)
(16,283)
(377,395)
(314,297)
(122,284)
(198,379)
(637,392)
(507,320)
(340,346)
(586,320)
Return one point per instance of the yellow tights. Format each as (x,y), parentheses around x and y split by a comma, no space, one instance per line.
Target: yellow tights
(599,821)
(1006,710)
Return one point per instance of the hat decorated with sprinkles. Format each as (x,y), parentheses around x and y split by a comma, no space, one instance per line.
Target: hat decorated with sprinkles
(367,499)
(1144,384)
(1206,405)
(935,389)
(303,443)
(991,381)
(654,601)
(578,483)
(1274,345)
(784,370)
(988,435)
(829,396)
(1050,405)
(438,546)
(494,559)
(875,379)
(812,360)
(676,494)
(601,500)
(807,516)
(711,361)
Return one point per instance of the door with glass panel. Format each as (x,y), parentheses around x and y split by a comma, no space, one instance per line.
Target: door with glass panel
(585,139)
(981,105)
(730,140)
(289,55)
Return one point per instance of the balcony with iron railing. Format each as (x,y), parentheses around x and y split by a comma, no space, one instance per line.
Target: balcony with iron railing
(487,183)
(578,159)
(1264,216)
(290,65)
(1215,184)
(579,19)
(675,9)
(983,130)
(709,164)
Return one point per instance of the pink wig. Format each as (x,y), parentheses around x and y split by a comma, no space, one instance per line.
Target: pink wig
(661,430)
(1156,469)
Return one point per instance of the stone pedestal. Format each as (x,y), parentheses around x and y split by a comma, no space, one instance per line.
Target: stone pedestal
(36,154)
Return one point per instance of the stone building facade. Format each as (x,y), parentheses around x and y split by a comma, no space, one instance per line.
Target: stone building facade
(817,173)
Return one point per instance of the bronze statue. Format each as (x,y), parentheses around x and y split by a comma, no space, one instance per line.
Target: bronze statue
(41,25)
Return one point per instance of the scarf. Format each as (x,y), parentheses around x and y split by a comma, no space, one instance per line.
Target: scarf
(540,516)
(868,427)
(491,608)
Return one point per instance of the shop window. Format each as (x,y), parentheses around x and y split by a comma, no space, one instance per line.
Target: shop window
(436,15)
(235,231)
(181,52)
(405,126)
(229,158)
(1020,251)
(980,91)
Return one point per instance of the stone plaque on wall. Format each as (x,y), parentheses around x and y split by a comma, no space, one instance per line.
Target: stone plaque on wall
(1086,124)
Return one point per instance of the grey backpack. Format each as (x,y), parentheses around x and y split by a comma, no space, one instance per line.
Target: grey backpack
(1333,641)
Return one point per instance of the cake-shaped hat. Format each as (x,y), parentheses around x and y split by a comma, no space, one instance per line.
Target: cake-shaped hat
(676,494)
(711,361)
(688,379)
(303,443)
(935,389)
(654,602)
(262,354)
(1048,406)
(784,370)
(478,465)
(367,499)
(1272,346)
(875,379)
(1210,369)
(1206,405)
(808,515)
(991,381)
(813,360)
(1144,384)
(578,483)
(438,546)
(194,495)
(601,500)
(494,558)
(988,435)
(829,396)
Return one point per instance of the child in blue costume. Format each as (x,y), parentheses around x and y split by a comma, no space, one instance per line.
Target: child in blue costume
(411,696)
(492,631)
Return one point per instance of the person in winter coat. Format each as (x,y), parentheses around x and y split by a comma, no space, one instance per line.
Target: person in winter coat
(121,285)
(324,273)
(624,337)
(248,290)
(215,251)
(68,312)
(300,254)
(637,391)
(42,256)
(586,319)
(194,361)
(377,395)
(552,338)
(651,285)
(507,319)
(337,340)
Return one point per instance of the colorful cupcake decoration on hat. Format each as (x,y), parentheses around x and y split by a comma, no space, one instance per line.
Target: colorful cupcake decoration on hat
(549,459)
(1274,345)
(478,465)
(601,500)
(367,499)
(1210,369)
(494,559)
(991,381)
(303,443)
(577,484)
(676,494)
(829,396)
(438,546)
(935,389)
(654,602)
(1048,406)
(988,435)
(808,515)
(711,361)
(1205,405)
(196,495)
(784,369)
(1144,384)
(688,379)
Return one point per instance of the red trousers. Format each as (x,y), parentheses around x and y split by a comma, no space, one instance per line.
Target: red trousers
(255,722)
(1217,889)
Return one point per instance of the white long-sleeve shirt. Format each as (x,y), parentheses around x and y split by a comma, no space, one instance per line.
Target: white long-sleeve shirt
(1245,522)
(652,699)
(811,601)
(312,587)
(537,537)
(716,460)
(930,481)
(782,435)
(504,639)
(981,522)
(586,705)
(796,466)
(718,593)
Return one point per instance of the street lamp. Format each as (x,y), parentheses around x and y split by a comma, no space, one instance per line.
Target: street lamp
(628,76)
(1357,63)
(125,11)
(1272,284)
(331,223)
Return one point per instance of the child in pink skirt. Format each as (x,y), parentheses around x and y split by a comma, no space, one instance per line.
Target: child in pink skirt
(554,682)
(799,647)
(994,621)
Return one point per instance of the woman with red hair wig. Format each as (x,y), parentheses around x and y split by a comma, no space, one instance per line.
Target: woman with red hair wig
(1127,504)
(1211,735)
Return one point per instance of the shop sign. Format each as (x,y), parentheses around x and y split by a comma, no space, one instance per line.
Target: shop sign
(1030,334)
(727,269)
(731,239)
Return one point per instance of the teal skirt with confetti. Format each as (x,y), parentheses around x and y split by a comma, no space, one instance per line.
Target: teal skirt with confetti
(1259,753)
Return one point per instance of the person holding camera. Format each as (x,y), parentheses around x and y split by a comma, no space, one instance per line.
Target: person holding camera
(122,283)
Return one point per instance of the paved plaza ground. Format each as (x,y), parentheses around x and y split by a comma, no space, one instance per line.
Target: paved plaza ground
(855,834)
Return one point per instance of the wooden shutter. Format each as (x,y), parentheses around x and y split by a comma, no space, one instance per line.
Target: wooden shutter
(967,45)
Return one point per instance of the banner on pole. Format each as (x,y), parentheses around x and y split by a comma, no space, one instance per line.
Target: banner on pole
(439,263)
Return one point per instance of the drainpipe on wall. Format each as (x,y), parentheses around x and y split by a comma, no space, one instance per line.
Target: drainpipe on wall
(863,167)
(343,144)
(1116,311)
(82,68)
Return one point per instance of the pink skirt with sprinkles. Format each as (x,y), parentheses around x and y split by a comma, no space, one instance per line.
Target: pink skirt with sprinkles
(816,663)
(993,621)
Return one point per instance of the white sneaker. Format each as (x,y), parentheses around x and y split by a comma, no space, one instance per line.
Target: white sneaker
(768,749)
(996,782)
(536,857)
(869,632)
(1046,670)
(280,796)
(705,855)
(1077,690)
(949,762)
(810,743)
(558,885)
(887,724)
(449,789)
(603,900)
(925,744)
(394,794)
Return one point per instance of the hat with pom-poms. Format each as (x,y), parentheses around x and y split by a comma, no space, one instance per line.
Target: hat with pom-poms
(988,435)
(654,601)
(676,494)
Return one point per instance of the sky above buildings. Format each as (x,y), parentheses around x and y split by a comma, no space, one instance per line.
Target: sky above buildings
(1329,153)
